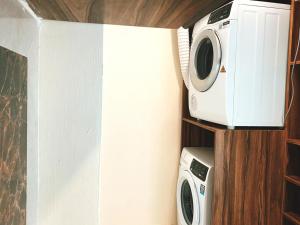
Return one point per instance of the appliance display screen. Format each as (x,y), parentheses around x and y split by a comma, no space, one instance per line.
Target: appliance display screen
(220,14)
(199,170)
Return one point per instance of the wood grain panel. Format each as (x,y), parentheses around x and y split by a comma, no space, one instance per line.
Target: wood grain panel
(13,138)
(293,119)
(222,199)
(291,193)
(249,174)
(157,13)
(194,136)
(295,31)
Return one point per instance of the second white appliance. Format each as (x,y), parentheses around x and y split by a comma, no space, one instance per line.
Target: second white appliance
(238,64)
(195,186)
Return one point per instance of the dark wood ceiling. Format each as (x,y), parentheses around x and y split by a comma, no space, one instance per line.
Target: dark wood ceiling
(150,13)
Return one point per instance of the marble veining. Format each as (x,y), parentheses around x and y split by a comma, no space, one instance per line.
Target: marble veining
(13,138)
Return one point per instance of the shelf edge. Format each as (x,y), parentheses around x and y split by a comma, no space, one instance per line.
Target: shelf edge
(293,217)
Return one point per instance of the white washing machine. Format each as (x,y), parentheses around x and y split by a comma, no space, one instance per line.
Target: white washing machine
(195,186)
(238,64)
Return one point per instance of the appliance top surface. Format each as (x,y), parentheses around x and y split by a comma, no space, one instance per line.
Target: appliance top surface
(231,12)
(280,4)
(202,154)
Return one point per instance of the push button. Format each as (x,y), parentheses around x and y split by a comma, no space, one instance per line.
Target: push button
(202,189)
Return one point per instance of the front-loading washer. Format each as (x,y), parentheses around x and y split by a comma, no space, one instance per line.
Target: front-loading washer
(238,64)
(195,186)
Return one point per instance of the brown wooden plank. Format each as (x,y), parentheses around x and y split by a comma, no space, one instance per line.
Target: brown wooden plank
(294,113)
(293,141)
(223,183)
(293,179)
(290,128)
(295,31)
(249,174)
(194,136)
(297,62)
(293,217)
(204,125)
(157,13)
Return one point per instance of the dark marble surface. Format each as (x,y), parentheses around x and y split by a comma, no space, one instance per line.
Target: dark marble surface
(13,138)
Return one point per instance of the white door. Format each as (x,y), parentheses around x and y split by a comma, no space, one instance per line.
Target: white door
(187,200)
(205,60)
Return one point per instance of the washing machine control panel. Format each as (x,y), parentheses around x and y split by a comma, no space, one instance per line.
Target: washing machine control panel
(199,170)
(220,14)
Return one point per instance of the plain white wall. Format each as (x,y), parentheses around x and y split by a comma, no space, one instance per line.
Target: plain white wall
(141,126)
(69,123)
(19,32)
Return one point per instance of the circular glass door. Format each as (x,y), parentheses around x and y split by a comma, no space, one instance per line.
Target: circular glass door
(205,60)
(204,57)
(187,204)
(187,200)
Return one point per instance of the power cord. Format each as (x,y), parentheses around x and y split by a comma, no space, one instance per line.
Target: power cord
(292,78)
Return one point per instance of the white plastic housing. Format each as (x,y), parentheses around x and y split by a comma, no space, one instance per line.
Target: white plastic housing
(251,92)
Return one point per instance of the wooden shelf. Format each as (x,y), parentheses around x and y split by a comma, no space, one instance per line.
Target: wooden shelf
(297,62)
(291,193)
(293,179)
(293,217)
(205,125)
(293,141)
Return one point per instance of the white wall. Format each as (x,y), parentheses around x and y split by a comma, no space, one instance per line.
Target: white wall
(69,123)
(141,126)
(138,133)
(19,32)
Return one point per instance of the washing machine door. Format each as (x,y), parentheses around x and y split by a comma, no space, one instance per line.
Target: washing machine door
(205,60)
(187,200)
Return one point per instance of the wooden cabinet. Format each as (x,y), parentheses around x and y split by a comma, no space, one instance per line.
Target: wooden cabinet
(292,185)
(249,170)
(291,193)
